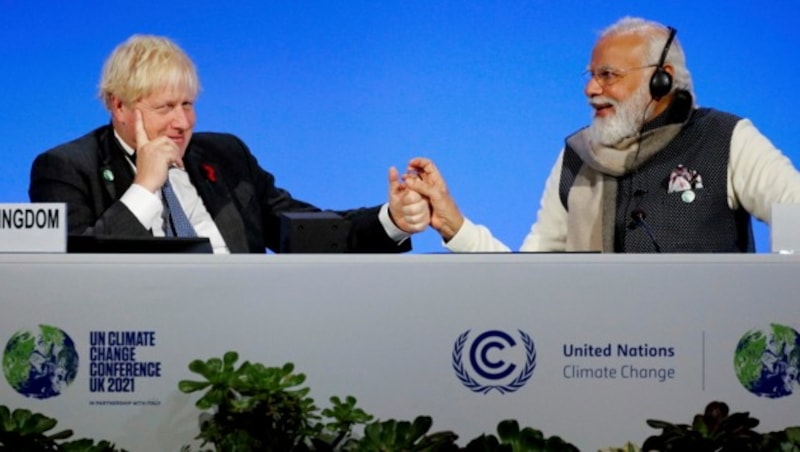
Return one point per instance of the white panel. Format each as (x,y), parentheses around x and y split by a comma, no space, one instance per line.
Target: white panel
(384,329)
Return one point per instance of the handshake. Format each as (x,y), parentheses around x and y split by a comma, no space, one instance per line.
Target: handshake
(420,198)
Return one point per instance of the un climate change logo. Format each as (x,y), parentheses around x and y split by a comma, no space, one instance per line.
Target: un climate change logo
(40,364)
(767,362)
(486,359)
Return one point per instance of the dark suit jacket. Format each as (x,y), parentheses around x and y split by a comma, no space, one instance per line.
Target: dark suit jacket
(91,173)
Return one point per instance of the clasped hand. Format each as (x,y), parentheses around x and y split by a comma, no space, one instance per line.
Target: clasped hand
(423,199)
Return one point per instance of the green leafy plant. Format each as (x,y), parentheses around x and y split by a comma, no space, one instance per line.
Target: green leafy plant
(23,430)
(265,408)
(250,407)
(343,417)
(510,438)
(628,447)
(392,435)
(787,440)
(718,430)
(88,445)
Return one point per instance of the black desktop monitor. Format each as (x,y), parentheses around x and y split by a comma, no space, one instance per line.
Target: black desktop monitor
(313,232)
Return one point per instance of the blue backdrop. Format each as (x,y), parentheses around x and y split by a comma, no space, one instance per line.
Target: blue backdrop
(329,94)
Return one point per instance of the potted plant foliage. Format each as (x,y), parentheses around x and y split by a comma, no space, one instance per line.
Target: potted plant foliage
(718,430)
(23,430)
(251,407)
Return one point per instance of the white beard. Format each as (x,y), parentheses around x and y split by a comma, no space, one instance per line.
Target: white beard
(625,122)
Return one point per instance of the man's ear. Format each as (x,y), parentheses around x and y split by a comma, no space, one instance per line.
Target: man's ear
(117,107)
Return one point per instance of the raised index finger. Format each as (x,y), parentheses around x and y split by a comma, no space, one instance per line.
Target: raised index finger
(141,134)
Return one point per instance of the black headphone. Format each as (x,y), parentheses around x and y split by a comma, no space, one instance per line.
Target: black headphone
(661,81)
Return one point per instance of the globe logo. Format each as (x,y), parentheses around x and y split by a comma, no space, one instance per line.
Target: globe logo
(767,361)
(40,364)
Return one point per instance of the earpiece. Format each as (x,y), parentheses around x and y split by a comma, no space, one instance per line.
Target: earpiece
(661,81)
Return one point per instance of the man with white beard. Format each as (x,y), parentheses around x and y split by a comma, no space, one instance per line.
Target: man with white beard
(651,173)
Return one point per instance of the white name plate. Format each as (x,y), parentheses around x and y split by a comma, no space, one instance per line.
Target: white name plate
(785,229)
(33,228)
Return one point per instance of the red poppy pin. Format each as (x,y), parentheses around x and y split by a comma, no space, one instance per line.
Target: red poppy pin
(211,175)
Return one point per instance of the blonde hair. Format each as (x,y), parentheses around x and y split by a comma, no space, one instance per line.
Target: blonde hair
(144,64)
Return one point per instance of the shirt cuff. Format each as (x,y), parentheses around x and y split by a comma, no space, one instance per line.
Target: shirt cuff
(394,233)
(143,204)
(464,240)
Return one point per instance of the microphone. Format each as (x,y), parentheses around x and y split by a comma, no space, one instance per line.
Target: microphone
(638,215)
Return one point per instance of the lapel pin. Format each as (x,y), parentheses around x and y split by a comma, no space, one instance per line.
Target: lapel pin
(685,181)
(108,175)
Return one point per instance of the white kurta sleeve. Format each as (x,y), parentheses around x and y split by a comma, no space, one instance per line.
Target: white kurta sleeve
(549,232)
(759,174)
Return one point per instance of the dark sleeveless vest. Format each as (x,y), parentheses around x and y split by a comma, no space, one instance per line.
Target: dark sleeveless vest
(706,224)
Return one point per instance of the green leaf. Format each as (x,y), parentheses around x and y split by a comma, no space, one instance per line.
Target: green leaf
(529,438)
(199,367)
(187,386)
(659,424)
(421,426)
(508,430)
(793,435)
(21,416)
(229,358)
(484,443)
(388,435)
(6,419)
(404,436)
(699,425)
(61,435)
(30,423)
(213,367)
(203,404)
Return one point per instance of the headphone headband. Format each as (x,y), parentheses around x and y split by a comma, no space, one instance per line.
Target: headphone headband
(661,82)
(664,52)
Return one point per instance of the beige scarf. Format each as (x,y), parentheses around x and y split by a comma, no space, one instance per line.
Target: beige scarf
(592,200)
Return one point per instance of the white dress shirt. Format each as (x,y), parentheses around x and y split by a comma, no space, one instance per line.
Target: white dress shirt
(148,208)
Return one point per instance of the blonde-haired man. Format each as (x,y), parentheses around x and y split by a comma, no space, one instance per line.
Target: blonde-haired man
(112,178)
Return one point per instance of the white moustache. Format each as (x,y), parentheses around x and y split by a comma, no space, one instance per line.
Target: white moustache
(599,101)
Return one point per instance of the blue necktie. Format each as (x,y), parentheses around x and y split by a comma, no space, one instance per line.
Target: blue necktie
(176,222)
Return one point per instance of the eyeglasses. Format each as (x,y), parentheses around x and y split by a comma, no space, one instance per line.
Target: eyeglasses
(607,75)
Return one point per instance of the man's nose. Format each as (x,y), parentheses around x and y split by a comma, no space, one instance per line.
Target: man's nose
(592,87)
(180,118)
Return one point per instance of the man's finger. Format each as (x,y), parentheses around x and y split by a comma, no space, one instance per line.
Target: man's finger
(419,186)
(394,180)
(422,165)
(141,134)
(412,197)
